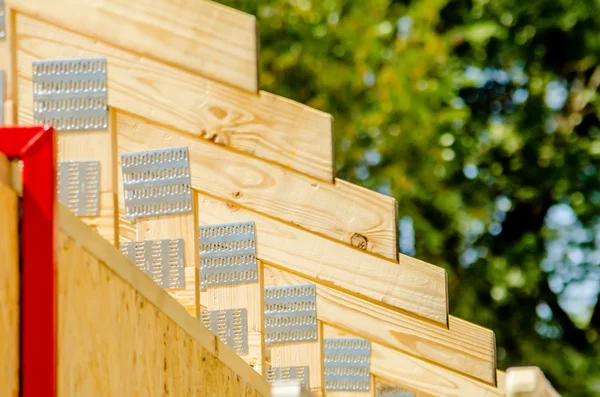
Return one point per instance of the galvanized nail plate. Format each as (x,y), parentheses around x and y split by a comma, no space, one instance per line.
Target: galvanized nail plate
(157,182)
(227,254)
(290,313)
(2,19)
(231,326)
(161,260)
(347,363)
(288,373)
(71,94)
(78,186)
(395,391)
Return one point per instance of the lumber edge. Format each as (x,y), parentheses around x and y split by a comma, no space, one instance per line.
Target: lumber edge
(528,382)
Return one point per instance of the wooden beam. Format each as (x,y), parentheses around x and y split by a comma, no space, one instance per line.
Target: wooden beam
(528,382)
(341,211)
(163,305)
(420,290)
(418,375)
(9,284)
(464,347)
(264,125)
(203,37)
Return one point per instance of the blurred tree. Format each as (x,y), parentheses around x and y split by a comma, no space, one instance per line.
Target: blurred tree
(482,119)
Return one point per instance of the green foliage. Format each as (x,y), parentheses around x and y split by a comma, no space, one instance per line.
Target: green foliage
(482,119)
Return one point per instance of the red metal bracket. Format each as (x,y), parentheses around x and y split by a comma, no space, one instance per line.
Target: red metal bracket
(35,146)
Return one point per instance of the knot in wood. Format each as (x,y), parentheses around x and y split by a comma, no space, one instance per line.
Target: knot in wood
(358,240)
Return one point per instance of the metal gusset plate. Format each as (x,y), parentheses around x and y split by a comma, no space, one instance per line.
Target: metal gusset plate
(161,260)
(2,93)
(288,373)
(290,313)
(71,94)
(347,364)
(231,326)
(78,186)
(2,19)
(227,254)
(157,182)
(395,391)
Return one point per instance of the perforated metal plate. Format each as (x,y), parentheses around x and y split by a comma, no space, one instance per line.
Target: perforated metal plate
(79,186)
(394,391)
(347,363)
(161,260)
(2,93)
(157,182)
(231,326)
(290,313)
(288,373)
(227,254)
(70,94)
(2,19)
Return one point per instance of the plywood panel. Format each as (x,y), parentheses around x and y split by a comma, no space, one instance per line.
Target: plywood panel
(338,211)
(418,289)
(263,125)
(418,375)
(9,287)
(464,347)
(121,335)
(201,36)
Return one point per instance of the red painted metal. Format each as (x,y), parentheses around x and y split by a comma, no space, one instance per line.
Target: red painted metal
(35,146)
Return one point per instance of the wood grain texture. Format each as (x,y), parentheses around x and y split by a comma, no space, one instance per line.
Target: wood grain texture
(464,347)
(338,211)
(121,334)
(264,125)
(9,288)
(206,38)
(420,290)
(429,380)
(528,382)
(298,354)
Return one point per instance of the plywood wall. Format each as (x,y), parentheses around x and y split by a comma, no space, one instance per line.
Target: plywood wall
(9,287)
(121,335)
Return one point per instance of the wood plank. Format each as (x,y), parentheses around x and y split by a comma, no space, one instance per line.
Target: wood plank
(298,354)
(264,125)
(9,285)
(528,382)
(419,289)
(338,211)
(203,37)
(121,334)
(464,347)
(421,376)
